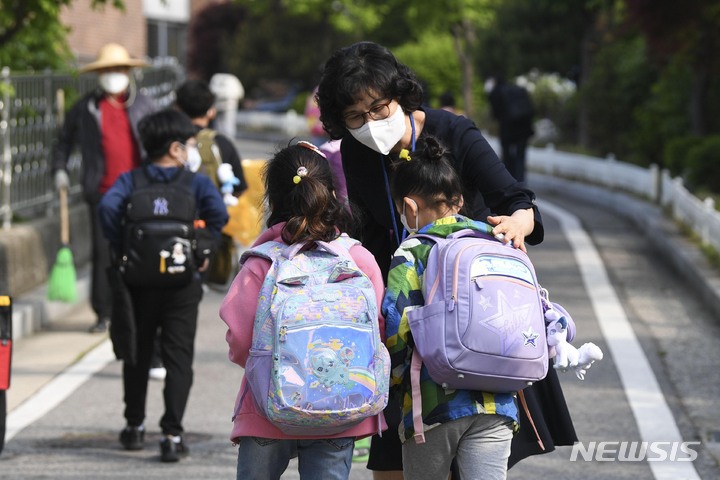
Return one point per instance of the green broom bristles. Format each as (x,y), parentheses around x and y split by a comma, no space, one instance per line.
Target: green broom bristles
(62,285)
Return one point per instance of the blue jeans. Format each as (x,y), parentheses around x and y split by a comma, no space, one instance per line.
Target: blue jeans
(321,459)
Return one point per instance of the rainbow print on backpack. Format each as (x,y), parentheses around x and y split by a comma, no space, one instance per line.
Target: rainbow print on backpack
(317,365)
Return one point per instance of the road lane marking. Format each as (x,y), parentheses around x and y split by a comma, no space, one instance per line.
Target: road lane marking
(58,389)
(652,414)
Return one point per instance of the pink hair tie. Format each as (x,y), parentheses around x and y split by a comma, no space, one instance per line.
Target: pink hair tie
(310,146)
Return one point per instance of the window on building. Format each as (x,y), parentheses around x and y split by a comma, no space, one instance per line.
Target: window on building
(167,39)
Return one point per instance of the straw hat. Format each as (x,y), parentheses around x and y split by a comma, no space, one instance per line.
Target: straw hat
(110,56)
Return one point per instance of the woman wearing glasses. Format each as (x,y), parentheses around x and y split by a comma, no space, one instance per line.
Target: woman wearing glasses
(374,104)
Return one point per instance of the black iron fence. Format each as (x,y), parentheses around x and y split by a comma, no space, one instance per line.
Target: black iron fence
(32,107)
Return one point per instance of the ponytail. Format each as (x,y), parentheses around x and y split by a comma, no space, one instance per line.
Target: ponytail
(299,190)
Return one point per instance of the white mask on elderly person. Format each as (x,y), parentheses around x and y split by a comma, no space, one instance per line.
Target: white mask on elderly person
(381,135)
(114,82)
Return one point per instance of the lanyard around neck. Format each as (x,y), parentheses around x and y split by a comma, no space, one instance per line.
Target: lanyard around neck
(387,185)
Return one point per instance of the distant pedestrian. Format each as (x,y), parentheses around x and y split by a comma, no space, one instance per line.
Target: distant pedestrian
(169,140)
(197,101)
(318,136)
(303,208)
(512,107)
(104,125)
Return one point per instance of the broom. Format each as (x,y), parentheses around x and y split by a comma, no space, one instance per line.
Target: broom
(63,279)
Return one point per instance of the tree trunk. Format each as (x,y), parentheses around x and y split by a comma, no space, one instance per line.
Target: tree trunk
(464,39)
(698,94)
(587,47)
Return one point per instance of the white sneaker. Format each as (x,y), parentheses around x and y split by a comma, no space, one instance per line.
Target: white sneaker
(158,373)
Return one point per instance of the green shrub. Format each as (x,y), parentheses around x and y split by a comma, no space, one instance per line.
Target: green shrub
(676,151)
(703,165)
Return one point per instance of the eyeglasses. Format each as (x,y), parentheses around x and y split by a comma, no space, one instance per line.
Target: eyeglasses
(378,112)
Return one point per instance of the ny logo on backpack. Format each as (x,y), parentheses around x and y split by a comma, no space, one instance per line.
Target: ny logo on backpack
(482,326)
(317,365)
(159,235)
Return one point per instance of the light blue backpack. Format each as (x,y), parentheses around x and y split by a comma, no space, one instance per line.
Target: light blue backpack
(317,365)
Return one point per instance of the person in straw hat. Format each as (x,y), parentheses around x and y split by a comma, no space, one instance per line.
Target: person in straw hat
(103,123)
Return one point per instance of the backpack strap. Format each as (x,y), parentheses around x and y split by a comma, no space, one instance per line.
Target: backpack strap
(268,250)
(142,178)
(339,247)
(271,250)
(415,366)
(209,153)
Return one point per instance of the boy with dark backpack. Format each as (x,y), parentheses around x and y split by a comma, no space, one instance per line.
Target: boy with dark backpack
(148,215)
(196,100)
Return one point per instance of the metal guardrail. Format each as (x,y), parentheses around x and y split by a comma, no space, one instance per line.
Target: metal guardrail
(30,114)
(652,184)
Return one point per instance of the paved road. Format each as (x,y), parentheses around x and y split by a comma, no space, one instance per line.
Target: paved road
(621,296)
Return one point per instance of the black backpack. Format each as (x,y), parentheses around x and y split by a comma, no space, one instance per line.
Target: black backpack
(159,235)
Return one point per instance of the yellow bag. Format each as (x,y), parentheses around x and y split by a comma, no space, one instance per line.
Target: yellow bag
(246,218)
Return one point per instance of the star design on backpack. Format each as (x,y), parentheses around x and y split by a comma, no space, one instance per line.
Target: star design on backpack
(530,337)
(484,302)
(508,318)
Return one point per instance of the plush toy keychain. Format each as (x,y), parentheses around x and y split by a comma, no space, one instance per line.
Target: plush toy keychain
(227,180)
(560,331)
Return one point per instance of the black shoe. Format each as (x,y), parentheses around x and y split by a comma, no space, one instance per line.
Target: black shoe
(132,438)
(101,326)
(171,451)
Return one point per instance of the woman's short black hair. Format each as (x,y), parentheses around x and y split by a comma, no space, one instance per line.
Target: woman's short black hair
(160,129)
(363,67)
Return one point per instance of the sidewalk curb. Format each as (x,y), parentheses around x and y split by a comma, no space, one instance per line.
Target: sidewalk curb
(33,312)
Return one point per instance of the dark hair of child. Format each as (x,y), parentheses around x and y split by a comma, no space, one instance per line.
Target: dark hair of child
(428,174)
(195,98)
(299,190)
(160,129)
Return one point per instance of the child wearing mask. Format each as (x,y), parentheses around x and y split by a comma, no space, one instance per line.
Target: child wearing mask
(170,312)
(471,427)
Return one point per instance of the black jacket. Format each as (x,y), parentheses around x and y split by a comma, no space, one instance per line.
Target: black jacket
(82,127)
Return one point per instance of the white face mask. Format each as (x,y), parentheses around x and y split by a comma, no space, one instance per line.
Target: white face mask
(403,218)
(114,82)
(193,158)
(382,135)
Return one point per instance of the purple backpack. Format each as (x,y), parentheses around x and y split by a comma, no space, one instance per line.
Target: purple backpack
(482,326)
(317,365)
(483,323)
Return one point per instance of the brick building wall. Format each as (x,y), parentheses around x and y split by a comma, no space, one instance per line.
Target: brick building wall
(196,5)
(91,29)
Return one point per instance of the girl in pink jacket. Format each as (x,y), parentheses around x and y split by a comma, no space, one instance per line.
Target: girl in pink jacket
(303,206)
